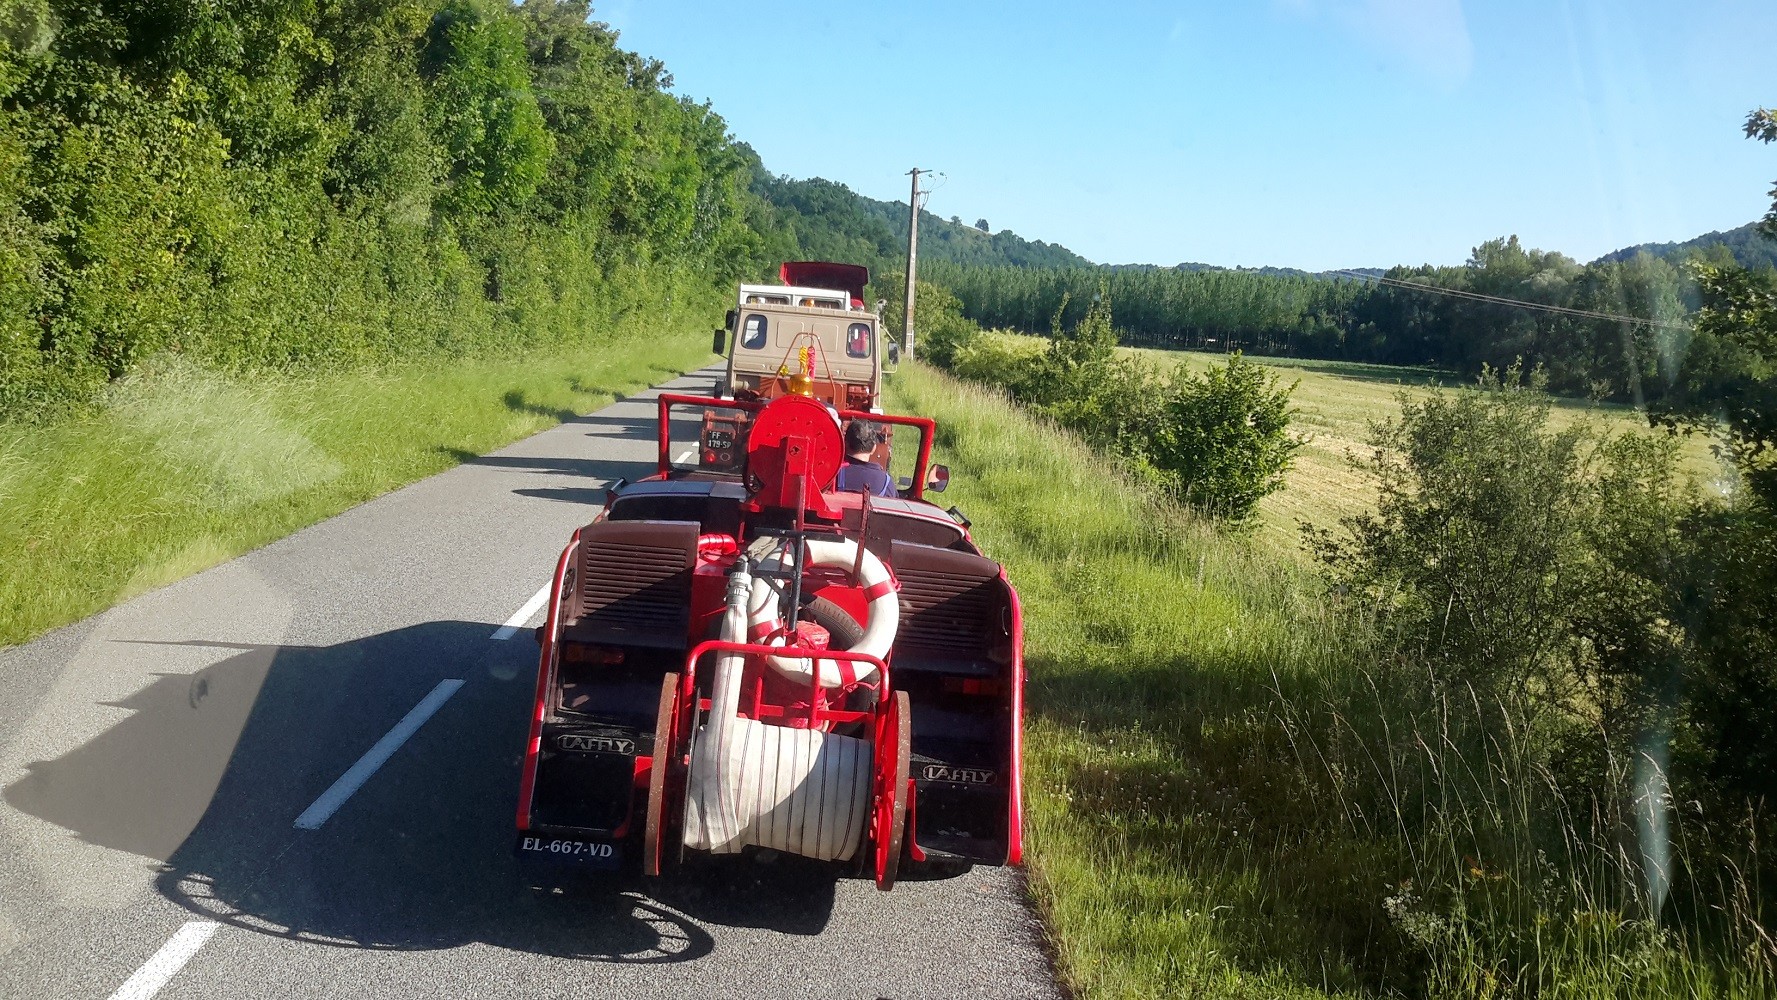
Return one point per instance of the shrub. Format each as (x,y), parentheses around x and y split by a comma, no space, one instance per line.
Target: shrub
(1511,556)
(1221,438)
(1217,441)
(939,329)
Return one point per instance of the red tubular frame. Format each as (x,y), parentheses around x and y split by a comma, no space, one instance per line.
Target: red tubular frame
(816,715)
(927,426)
(527,781)
(1015,806)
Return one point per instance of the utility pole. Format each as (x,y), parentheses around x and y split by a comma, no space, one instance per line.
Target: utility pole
(912,263)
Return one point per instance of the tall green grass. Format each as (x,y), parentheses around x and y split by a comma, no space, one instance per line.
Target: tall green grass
(1228,798)
(183,467)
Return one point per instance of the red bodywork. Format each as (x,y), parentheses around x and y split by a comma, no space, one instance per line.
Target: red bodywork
(950,689)
(849,278)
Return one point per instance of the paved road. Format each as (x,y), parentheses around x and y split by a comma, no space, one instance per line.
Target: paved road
(154,759)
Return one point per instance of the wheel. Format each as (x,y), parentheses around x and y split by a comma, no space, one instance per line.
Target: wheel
(894,744)
(665,746)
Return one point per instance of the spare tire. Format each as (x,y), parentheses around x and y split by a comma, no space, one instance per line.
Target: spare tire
(844,630)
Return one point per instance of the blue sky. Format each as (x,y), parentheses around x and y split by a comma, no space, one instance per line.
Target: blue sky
(1305,133)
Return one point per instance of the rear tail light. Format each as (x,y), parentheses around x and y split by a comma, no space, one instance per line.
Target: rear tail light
(972,685)
(608,656)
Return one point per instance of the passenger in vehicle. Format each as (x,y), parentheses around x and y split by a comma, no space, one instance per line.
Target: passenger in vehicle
(860,474)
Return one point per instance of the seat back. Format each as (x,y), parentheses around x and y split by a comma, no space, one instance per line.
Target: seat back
(952,610)
(633,583)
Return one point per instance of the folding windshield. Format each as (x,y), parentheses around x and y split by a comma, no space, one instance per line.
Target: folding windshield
(700,435)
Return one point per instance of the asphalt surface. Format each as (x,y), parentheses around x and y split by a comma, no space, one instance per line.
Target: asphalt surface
(154,758)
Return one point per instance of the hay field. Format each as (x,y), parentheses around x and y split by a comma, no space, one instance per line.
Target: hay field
(1338,401)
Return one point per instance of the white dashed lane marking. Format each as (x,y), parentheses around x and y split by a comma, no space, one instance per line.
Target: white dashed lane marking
(378,755)
(166,962)
(522,615)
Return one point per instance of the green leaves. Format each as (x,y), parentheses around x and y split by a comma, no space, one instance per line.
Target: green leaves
(487,120)
(302,182)
(1524,561)
(1731,375)
(1218,441)
(1223,437)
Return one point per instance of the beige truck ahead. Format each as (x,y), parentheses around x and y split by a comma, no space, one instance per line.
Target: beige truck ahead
(814,325)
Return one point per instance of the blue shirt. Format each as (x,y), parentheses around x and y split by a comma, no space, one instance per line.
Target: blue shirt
(857,476)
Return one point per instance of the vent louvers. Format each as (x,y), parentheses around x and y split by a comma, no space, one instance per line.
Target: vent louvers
(634,587)
(945,614)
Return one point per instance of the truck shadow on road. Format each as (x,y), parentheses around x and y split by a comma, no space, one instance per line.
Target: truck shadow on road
(218,764)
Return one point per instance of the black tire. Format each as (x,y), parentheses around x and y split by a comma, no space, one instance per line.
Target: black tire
(840,625)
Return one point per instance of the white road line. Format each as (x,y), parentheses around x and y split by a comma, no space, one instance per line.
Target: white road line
(355,777)
(522,615)
(167,962)
(685,457)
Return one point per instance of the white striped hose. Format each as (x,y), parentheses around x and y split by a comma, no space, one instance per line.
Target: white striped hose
(800,791)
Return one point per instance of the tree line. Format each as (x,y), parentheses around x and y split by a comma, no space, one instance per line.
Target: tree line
(291,183)
(302,182)
(824,220)
(1407,319)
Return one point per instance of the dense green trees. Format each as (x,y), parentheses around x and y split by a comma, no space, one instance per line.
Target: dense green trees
(1390,322)
(313,181)
(318,181)
(297,182)
(828,221)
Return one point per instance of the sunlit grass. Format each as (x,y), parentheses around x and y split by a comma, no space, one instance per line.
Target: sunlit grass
(1336,403)
(1221,801)
(184,468)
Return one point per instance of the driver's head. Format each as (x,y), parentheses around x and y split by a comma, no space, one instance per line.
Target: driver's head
(862,437)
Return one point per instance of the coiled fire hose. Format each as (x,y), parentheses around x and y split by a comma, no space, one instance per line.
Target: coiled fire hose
(801,791)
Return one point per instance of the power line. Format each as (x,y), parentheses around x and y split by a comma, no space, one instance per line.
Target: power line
(1520,303)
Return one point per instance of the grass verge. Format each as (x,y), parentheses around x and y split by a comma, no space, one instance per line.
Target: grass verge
(1223,800)
(183,468)
(1150,643)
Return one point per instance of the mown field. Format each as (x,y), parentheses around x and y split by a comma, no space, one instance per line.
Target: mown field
(182,468)
(1336,403)
(1225,800)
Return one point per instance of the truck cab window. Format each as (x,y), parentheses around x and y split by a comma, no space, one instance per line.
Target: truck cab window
(857,340)
(753,332)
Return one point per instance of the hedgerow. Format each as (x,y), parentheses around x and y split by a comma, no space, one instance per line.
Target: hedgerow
(295,183)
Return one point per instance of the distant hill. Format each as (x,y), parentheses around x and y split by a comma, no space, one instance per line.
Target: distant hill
(1280,272)
(1749,248)
(818,219)
(826,220)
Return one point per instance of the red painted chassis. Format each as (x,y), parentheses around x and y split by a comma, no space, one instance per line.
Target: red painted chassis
(656,779)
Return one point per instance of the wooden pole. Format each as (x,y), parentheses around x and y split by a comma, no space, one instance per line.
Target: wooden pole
(912,264)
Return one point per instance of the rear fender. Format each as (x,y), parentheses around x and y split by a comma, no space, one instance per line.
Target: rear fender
(546,666)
